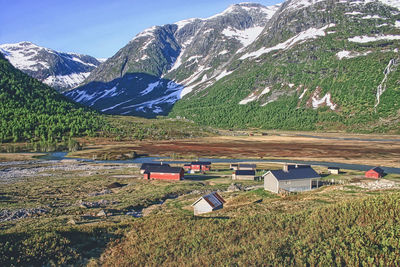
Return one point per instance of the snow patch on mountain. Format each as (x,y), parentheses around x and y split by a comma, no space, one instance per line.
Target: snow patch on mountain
(115,106)
(246,37)
(223,74)
(392,3)
(353,13)
(367,39)
(22,56)
(303,93)
(351,54)
(316,101)
(183,23)
(70,80)
(152,105)
(397,24)
(300,4)
(150,88)
(299,38)
(373,17)
(255,96)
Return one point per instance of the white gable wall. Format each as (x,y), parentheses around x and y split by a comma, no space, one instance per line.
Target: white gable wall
(271,183)
(202,207)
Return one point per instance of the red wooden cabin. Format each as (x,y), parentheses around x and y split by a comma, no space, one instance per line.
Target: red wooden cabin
(201,166)
(164,173)
(375,173)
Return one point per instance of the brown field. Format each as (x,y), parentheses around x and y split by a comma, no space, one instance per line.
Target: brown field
(272,146)
(18,156)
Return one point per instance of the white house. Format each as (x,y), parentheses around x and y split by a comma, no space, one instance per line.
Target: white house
(208,203)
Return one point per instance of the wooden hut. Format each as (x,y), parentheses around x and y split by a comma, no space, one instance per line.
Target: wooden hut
(375,173)
(208,203)
(164,173)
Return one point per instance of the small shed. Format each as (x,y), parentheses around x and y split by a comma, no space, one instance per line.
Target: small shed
(375,173)
(164,173)
(147,165)
(234,166)
(292,178)
(244,175)
(333,170)
(200,166)
(208,203)
(247,167)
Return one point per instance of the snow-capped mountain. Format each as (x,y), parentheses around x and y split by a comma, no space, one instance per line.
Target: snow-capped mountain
(170,60)
(59,70)
(304,64)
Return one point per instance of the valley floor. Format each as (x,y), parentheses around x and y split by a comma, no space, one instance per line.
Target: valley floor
(82,213)
(371,150)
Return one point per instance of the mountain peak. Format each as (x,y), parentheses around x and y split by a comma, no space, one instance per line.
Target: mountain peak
(57,69)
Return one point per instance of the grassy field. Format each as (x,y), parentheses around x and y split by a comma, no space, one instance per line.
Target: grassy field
(90,218)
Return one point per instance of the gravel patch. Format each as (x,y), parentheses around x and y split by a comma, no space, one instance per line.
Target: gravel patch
(11,215)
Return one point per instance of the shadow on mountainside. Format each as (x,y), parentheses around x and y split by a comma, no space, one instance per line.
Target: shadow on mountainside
(137,94)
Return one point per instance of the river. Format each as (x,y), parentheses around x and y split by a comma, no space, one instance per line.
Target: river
(57,156)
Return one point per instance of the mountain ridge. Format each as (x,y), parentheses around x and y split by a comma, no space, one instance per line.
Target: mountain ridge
(59,70)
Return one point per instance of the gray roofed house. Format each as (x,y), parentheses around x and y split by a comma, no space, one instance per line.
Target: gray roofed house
(243,175)
(292,178)
(208,203)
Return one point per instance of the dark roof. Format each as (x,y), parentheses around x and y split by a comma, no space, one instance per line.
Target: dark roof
(378,170)
(295,173)
(163,169)
(146,165)
(201,163)
(333,168)
(245,172)
(248,166)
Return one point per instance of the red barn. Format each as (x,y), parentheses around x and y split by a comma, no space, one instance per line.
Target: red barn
(148,165)
(200,166)
(164,173)
(187,167)
(374,173)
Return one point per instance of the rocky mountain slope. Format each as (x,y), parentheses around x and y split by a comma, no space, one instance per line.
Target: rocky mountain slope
(306,64)
(317,65)
(59,70)
(161,64)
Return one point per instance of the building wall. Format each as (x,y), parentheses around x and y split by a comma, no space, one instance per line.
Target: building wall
(246,168)
(202,207)
(333,171)
(372,174)
(166,176)
(271,183)
(296,185)
(244,177)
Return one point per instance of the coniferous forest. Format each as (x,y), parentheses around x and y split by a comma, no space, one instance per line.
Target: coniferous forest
(33,111)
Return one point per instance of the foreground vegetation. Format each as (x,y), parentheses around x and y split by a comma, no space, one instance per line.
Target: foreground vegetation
(336,225)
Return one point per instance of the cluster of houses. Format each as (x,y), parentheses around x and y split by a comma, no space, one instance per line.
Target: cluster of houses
(160,171)
(198,166)
(291,178)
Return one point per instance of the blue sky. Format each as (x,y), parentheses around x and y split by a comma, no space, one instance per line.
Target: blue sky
(96,27)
